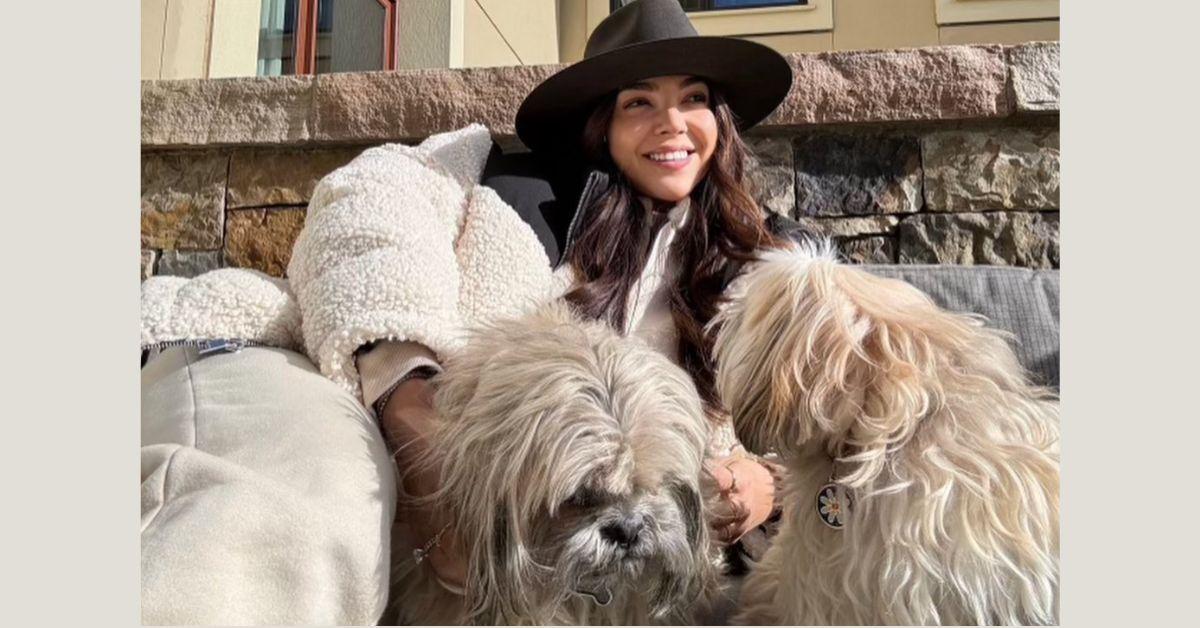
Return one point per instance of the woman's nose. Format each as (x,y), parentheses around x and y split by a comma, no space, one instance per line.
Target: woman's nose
(672,121)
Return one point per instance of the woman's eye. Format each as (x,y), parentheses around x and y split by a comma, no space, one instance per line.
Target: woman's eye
(699,97)
(636,102)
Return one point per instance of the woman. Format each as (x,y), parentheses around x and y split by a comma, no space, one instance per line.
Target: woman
(663,222)
(266,489)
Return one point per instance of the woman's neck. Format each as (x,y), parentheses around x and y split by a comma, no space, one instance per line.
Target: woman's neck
(662,207)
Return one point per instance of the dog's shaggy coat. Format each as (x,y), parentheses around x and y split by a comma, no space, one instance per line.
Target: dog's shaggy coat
(558,434)
(950,455)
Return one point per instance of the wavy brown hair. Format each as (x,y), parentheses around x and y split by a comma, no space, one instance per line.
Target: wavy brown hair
(726,225)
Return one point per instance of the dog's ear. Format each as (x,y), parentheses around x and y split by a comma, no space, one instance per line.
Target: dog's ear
(686,583)
(811,348)
(494,572)
(877,352)
(770,338)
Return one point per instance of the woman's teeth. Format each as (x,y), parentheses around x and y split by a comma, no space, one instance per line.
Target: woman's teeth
(678,155)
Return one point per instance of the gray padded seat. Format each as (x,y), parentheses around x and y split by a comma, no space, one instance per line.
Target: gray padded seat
(1022,301)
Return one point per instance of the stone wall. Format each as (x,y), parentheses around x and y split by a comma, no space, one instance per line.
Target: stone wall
(942,155)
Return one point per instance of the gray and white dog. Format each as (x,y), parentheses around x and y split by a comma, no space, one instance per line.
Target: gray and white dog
(570,459)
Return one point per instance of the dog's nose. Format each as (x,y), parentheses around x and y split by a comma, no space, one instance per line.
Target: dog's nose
(623,532)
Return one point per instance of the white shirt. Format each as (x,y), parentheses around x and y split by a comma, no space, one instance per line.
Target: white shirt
(648,310)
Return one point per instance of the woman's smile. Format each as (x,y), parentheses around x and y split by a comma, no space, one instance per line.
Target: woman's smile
(671,160)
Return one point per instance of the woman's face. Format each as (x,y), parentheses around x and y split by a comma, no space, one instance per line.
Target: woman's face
(663,134)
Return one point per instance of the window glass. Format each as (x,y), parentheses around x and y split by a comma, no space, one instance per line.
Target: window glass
(276,38)
(350,35)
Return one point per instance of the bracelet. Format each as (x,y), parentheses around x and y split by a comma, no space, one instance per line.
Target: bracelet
(420,553)
(420,372)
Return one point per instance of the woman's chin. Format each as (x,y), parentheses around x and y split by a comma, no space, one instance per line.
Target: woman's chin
(669,193)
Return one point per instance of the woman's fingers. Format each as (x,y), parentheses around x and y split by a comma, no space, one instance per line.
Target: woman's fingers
(722,476)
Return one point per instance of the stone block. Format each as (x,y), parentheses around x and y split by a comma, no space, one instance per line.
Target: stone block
(929,84)
(262,238)
(936,83)
(188,263)
(1035,76)
(244,110)
(148,257)
(772,173)
(1028,239)
(389,106)
(1011,168)
(868,250)
(844,174)
(183,198)
(851,226)
(260,177)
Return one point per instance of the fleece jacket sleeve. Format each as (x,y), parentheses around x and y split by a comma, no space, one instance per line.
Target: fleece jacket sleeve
(377,259)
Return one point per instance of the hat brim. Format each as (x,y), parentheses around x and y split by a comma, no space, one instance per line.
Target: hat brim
(753,79)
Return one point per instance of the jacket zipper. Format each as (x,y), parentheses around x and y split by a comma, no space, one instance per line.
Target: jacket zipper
(584,199)
(206,347)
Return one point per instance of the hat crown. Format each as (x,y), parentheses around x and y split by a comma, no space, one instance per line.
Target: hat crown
(638,22)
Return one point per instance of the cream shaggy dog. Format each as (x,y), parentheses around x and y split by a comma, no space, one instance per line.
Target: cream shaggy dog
(923,483)
(571,463)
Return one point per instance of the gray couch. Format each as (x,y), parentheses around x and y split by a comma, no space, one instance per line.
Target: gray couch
(1018,300)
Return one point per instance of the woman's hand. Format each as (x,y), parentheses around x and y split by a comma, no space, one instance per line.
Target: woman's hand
(747,491)
(407,419)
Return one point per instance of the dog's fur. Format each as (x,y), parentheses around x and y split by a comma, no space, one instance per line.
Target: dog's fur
(553,429)
(951,456)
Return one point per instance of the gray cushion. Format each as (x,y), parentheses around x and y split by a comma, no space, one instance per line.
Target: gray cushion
(1019,300)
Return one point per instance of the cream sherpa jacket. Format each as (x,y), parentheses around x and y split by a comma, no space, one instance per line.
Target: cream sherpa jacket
(375,262)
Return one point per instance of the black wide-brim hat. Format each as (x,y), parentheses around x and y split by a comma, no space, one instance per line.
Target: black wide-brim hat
(641,40)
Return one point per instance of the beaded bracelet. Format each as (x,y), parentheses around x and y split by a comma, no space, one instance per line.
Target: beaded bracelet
(420,372)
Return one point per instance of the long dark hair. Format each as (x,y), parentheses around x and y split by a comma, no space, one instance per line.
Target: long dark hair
(726,224)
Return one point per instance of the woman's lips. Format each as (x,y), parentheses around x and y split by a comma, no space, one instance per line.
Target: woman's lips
(672,165)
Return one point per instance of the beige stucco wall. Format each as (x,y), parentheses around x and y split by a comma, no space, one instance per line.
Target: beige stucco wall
(184,47)
(219,38)
(234,50)
(867,24)
(999,33)
(154,24)
(184,39)
(425,36)
(510,32)
(849,24)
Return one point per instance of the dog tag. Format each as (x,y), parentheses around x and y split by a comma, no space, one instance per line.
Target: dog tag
(601,597)
(833,505)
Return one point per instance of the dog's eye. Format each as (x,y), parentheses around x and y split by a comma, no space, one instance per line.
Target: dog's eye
(584,498)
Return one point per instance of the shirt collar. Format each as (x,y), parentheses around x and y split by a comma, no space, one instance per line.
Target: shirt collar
(677,214)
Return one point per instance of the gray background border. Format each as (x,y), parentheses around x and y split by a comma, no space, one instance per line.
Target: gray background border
(1129,307)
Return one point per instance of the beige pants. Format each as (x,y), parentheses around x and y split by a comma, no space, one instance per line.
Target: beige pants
(267,494)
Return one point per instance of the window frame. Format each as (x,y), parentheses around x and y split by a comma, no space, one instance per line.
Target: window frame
(305,41)
(982,11)
(613,5)
(814,16)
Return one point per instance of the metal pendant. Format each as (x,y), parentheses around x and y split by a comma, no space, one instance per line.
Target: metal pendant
(601,596)
(833,505)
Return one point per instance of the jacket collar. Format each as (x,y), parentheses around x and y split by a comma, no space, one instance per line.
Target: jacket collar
(595,185)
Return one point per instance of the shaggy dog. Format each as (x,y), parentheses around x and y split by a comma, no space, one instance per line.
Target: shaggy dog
(923,484)
(571,461)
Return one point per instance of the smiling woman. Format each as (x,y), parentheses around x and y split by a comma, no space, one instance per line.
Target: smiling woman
(662,135)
